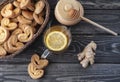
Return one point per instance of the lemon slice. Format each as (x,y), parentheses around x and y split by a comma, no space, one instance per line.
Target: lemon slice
(56,41)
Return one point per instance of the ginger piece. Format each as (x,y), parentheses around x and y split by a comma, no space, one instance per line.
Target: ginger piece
(87,56)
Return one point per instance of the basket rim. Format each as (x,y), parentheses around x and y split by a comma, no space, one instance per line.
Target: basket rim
(47,7)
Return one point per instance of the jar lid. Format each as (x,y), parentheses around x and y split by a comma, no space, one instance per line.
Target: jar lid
(68,12)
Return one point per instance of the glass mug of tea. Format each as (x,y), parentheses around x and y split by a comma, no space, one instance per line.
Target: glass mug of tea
(56,39)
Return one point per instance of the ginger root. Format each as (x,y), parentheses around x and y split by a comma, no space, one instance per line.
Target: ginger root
(87,56)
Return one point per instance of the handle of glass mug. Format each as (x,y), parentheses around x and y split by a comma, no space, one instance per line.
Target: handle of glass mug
(45,54)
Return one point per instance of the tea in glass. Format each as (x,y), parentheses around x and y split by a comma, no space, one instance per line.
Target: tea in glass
(57,38)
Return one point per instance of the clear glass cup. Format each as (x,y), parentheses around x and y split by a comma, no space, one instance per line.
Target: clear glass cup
(56,39)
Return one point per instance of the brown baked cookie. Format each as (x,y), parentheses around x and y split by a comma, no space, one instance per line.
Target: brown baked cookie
(38,62)
(35,68)
(34,72)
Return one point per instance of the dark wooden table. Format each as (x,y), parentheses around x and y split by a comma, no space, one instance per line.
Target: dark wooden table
(65,67)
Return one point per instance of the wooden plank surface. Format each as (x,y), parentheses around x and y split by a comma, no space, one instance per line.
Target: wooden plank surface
(107,52)
(109,19)
(65,67)
(62,73)
(94,4)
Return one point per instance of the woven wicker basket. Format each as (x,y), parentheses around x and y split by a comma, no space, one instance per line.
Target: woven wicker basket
(47,9)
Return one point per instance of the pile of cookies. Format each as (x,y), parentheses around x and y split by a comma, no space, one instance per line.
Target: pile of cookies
(36,66)
(18,24)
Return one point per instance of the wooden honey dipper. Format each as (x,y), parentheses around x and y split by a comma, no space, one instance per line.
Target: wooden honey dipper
(70,12)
